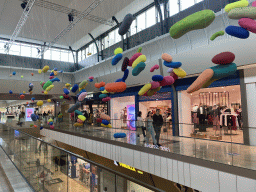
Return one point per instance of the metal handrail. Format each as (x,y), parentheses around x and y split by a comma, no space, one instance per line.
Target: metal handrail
(87,160)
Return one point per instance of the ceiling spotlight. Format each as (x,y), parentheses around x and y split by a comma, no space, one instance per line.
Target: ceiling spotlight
(23,5)
(70,17)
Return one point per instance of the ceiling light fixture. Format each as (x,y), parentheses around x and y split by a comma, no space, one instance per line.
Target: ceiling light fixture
(70,17)
(23,4)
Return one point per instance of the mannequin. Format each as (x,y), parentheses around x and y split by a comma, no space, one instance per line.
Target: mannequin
(201,114)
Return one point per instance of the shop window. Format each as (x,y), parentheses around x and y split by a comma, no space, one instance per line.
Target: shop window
(121,184)
(173,7)
(80,171)
(186,4)
(151,17)
(123,112)
(212,112)
(141,22)
(107,181)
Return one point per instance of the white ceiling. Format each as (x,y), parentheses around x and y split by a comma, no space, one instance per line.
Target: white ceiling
(44,24)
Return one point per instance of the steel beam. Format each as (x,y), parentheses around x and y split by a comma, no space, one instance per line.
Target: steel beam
(20,24)
(72,24)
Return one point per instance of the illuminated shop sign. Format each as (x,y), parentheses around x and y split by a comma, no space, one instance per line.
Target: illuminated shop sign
(89,96)
(127,167)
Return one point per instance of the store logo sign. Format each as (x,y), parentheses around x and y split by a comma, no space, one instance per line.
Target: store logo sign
(89,96)
(127,167)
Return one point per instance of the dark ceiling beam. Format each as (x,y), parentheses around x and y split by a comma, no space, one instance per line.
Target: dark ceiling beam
(67,10)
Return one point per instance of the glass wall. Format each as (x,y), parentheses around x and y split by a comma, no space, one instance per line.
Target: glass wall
(123,112)
(48,168)
(213,111)
(29,50)
(144,20)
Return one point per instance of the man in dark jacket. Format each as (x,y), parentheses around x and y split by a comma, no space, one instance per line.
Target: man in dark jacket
(157,123)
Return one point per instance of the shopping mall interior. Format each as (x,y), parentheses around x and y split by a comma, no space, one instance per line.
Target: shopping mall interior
(127,95)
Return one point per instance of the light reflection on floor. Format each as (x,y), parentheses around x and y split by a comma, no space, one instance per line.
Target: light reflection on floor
(222,152)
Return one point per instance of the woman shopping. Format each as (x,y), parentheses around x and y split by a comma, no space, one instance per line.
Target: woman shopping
(140,126)
(149,127)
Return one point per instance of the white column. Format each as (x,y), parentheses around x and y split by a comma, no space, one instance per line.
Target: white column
(251,107)
(184,106)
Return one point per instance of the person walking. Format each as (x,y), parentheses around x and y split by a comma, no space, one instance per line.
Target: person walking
(157,123)
(21,118)
(37,165)
(140,126)
(149,127)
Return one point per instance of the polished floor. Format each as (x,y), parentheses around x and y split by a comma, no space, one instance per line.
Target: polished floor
(223,152)
(4,183)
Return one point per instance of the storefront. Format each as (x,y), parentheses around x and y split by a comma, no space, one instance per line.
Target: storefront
(94,178)
(162,101)
(212,113)
(84,173)
(123,112)
(47,108)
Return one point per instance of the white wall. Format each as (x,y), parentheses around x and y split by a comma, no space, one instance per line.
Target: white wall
(18,86)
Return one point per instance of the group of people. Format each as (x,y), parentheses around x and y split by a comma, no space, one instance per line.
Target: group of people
(152,125)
